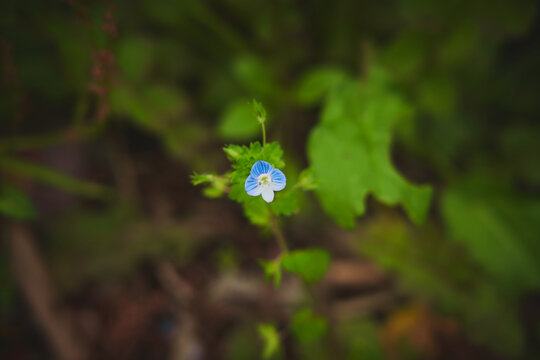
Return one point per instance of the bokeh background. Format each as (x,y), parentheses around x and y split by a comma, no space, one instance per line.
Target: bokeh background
(109,252)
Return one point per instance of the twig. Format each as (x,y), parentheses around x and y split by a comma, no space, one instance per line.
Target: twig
(38,290)
(186,344)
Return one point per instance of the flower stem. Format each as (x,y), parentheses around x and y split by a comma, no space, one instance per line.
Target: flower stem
(320,306)
(277,231)
(263,133)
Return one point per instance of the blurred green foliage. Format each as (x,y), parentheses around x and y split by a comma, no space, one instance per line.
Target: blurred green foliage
(54,178)
(15,203)
(272,270)
(271,341)
(362,341)
(437,269)
(498,230)
(306,327)
(110,245)
(363,94)
(310,264)
(242,344)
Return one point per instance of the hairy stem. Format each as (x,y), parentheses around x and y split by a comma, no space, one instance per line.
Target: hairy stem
(263,133)
(274,225)
(320,306)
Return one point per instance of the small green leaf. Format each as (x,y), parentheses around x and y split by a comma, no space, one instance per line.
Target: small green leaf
(309,264)
(197,179)
(214,191)
(285,203)
(270,338)
(233,152)
(259,110)
(218,184)
(16,204)
(256,210)
(308,327)
(272,269)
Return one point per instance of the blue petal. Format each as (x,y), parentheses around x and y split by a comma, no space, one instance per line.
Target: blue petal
(252,187)
(260,167)
(278,179)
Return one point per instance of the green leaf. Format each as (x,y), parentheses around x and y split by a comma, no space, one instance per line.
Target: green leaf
(256,210)
(349,151)
(197,179)
(216,190)
(238,122)
(307,327)
(272,269)
(16,204)
(233,152)
(309,264)
(270,338)
(259,110)
(285,202)
(316,83)
(218,184)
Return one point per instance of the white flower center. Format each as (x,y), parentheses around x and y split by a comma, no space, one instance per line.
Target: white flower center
(264,180)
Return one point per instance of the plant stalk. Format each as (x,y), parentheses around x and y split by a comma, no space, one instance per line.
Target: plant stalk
(282,243)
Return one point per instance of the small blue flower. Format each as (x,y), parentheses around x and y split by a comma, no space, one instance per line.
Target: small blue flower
(264,180)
